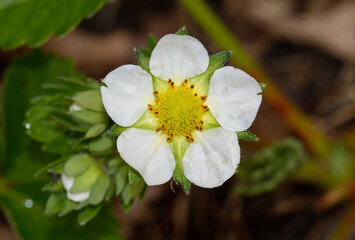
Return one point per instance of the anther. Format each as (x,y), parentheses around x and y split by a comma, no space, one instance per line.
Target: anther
(149,105)
(157,99)
(169,81)
(192,139)
(206,109)
(155,92)
(157,129)
(150,109)
(188,137)
(165,130)
(201,128)
(201,121)
(203,97)
(168,139)
(192,86)
(171,135)
(156,112)
(195,94)
(185,81)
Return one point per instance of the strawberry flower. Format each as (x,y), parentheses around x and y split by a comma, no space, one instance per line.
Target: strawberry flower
(182,113)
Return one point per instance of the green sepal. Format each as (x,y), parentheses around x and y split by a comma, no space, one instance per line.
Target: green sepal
(78,164)
(147,121)
(159,84)
(246,135)
(130,192)
(90,99)
(182,31)
(178,146)
(55,203)
(209,121)
(114,131)
(114,164)
(102,145)
(202,81)
(262,86)
(68,206)
(96,130)
(49,168)
(99,189)
(88,116)
(133,176)
(152,42)
(121,178)
(67,121)
(87,214)
(85,181)
(53,186)
(143,59)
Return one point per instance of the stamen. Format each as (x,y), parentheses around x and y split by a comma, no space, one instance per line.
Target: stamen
(150,109)
(155,92)
(185,81)
(192,86)
(201,121)
(149,105)
(168,139)
(156,112)
(165,130)
(192,139)
(157,99)
(203,98)
(169,81)
(195,94)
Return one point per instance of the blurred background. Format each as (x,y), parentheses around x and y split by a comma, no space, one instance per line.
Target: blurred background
(307,48)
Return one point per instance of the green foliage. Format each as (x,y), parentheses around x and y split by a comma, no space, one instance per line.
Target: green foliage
(32,22)
(182,31)
(24,205)
(267,169)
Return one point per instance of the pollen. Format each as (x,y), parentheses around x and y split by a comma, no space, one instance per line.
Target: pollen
(179,111)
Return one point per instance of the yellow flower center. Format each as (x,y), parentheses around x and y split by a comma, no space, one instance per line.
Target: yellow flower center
(179,110)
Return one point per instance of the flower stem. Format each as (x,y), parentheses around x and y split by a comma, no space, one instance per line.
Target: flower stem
(290,113)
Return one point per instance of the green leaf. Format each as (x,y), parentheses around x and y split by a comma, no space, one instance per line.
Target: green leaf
(246,135)
(182,31)
(99,189)
(133,176)
(90,99)
(264,171)
(114,131)
(102,145)
(96,130)
(121,178)
(87,214)
(32,22)
(78,164)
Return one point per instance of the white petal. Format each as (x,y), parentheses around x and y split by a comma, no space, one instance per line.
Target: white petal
(149,153)
(129,90)
(68,182)
(78,197)
(233,98)
(212,158)
(178,57)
